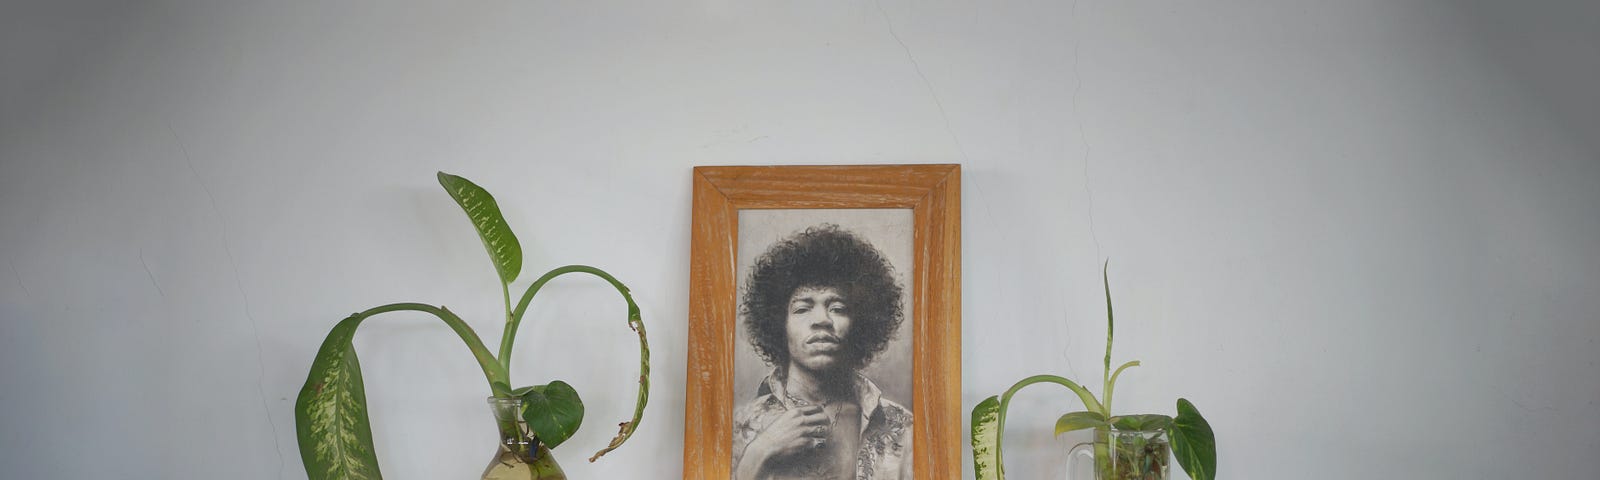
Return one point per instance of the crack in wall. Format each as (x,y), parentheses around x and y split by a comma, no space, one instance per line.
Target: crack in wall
(18,274)
(238,282)
(925,83)
(152,276)
(1077,116)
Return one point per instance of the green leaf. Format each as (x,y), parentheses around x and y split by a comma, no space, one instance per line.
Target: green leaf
(986,440)
(331,413)
(1111,324)
(553,411)
(1079,421)
(1144,422)
(497,238)
(1193,443)
(331,422)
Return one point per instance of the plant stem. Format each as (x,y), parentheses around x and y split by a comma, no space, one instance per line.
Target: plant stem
(506,332)
(492,371)
(514,319)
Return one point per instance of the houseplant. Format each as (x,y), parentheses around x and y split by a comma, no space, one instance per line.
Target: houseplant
(331,412)
(1126,447)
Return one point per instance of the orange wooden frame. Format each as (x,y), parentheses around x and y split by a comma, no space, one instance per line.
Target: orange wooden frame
(933,192)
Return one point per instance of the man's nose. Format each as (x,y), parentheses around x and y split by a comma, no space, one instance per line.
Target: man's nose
(822,319)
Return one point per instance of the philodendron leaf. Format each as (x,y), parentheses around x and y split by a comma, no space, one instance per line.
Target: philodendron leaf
(1146,422)
(331,413)
(1193,443)
(497,238)
(553,411)
(986,440)
(1079,421)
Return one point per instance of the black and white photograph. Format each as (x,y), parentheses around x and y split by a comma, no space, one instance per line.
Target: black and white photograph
(822,368)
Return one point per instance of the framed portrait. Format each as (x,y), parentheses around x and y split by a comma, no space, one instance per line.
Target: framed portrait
(825,323)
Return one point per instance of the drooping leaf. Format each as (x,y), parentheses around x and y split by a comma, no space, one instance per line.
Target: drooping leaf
(553,411)
(331,422)
(1079,421)
(497,238)
(331,413)
(1193,443)
(1145,422)
(635,322)
(986,440)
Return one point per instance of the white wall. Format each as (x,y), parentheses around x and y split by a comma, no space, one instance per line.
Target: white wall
(1356,234)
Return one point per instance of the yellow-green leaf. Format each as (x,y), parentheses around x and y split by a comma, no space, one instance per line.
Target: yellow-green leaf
(497,238)
(331,413)
(1079,421)
(986,440)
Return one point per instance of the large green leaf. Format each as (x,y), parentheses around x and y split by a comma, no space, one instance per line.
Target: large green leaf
(331,413)
(1193,443)
(1079,421)
(986,440)
(497,238)
(553,411)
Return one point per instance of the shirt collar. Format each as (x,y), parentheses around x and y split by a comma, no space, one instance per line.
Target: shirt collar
(867,393)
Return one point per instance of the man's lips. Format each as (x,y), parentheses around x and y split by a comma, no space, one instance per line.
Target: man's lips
(822,338)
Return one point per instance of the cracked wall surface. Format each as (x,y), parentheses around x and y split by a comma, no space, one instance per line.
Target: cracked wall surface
(1304,204)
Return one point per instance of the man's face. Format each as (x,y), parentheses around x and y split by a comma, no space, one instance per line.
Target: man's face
(818,325)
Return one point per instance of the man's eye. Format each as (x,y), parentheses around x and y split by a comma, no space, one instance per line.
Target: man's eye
(801,310)
(836,309)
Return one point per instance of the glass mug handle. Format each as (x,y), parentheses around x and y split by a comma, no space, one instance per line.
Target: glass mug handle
(1080,451)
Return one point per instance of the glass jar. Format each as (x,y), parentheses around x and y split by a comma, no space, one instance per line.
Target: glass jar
(1125,454)
(519,456)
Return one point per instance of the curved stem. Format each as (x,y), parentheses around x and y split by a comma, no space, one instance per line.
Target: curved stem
(491,369)
(1089,403)
(1112,384)
(514,318)
(635,322)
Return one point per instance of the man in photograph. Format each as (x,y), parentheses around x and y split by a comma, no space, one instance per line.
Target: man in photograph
(818,307)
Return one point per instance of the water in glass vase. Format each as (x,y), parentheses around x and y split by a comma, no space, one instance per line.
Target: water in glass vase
(1135,455)
(520,456)
(1124,455)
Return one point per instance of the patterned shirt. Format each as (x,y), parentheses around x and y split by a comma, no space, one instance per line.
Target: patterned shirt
(885,452)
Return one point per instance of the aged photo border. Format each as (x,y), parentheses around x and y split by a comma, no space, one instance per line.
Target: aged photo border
(932,192)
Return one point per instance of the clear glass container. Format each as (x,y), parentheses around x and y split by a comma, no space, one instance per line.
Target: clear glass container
(1125,455)
(519,456)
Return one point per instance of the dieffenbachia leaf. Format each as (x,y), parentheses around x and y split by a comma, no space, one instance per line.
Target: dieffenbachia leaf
(1145,422)
(1193,442)
(553,411)
(331,413)
(497,238)
(986,440)
(1079,421)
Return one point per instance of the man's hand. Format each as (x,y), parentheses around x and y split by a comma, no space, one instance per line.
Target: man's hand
(794,432)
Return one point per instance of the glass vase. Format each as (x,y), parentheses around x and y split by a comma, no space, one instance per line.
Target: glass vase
(519,456)
(1125,454)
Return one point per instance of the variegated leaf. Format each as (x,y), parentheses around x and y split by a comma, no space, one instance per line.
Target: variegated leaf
(986,440)
(497,238)
(331,413)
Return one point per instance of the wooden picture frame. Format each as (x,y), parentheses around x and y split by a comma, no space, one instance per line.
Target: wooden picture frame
(931,192)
